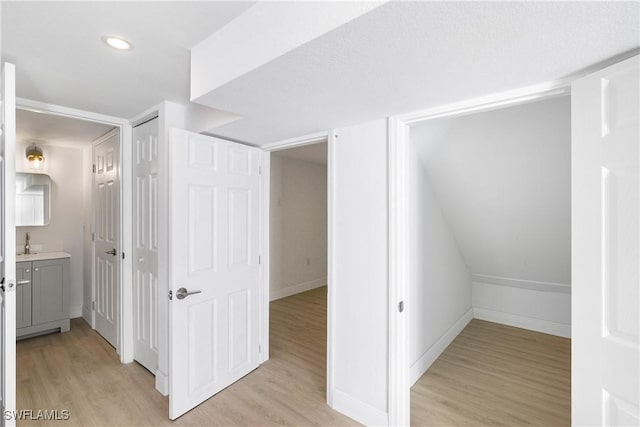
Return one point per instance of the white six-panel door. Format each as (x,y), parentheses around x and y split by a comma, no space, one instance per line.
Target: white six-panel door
(8,247)
(106,195)
(145,256)
(214,213)
(606,247)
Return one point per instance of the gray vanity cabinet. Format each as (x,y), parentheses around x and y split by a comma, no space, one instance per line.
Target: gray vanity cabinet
(42,296)
(23,295)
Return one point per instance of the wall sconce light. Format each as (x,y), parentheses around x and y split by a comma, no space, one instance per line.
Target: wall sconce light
(35,156)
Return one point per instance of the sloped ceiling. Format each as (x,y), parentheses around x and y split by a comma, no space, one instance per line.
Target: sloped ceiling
(503,181)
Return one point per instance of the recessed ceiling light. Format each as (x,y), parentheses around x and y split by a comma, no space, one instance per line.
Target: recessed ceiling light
(117,43)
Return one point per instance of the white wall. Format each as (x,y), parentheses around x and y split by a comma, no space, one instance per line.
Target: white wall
(359,287)
(87,220)
(503,182)
(298,226)
(65,231)
(439,282)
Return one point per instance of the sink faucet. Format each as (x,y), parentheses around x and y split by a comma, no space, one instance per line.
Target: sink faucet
(27,246)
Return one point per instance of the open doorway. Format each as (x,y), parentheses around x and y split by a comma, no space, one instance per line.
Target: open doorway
(298,265)
(489,265)
(69,283)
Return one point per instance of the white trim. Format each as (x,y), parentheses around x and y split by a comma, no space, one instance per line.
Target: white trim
(58,110)
(360,411)
(7,230)
(265,216)
(523,322)
(314,138)
(125,345)
(419,367)
(510,98)
(87,315)
(399,133)
(398,371)
(488,103)
(162,382)
(331,275)
(531,285)
(296,289)
(76,311)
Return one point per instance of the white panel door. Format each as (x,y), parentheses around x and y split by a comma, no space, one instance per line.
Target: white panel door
(145,233)
(605,247)
(8,246)
(214,247)
(106,196)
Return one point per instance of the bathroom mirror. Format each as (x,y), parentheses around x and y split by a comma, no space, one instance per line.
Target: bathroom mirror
(33,199)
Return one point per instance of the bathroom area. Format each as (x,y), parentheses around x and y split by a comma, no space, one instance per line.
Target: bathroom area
(54,214)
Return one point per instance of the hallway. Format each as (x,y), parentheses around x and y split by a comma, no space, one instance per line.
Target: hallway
(80,371)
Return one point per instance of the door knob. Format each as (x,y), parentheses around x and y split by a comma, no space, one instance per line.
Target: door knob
(183,293)
(112,252)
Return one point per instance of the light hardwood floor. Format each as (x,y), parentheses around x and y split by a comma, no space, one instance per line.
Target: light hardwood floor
(80,372)
(490,375)
(496,375)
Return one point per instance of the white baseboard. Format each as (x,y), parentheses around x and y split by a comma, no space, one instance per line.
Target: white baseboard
(75,311)
(509,319)
(296,289)
(162,383)
(86,314)
(419,367)
(359,411)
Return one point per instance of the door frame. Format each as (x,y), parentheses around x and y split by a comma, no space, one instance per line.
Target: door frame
(315,138)
(399,135)
(125,329)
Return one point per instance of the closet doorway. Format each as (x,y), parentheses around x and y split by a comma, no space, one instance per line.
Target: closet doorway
(489,206)
(604,213)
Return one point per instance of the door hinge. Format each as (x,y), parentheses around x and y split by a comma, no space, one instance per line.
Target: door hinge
(401,306)
(122,255)
(93,305)
(93,237)
(259,259)
(93,169)
(170,295)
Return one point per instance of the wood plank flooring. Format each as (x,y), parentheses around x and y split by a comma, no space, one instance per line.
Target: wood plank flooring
(496,375)
(490,375)
(80,371)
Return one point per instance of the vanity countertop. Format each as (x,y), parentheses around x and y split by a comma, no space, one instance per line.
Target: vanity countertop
(40,256)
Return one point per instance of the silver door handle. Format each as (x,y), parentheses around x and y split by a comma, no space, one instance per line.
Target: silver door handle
(183,293)
(23,282)
(112,252)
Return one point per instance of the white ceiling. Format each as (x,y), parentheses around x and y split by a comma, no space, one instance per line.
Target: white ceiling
(400,57)
(48,129)
(407,56)
(314,153)
(503,182)
(61,59)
